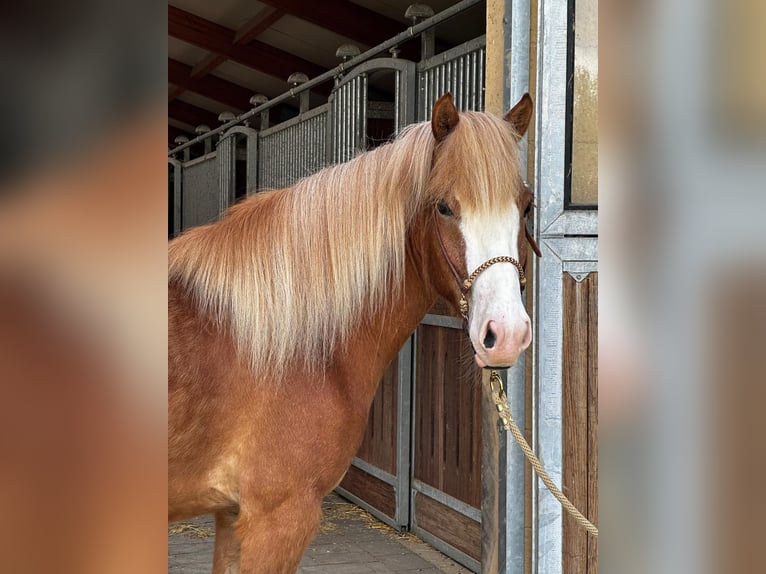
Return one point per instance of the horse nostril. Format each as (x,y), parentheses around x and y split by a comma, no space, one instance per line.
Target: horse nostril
(489,338)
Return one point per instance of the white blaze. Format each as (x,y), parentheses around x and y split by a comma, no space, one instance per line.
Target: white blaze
(496,293)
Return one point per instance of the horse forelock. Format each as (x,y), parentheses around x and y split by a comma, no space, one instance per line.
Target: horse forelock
(291,272)
(479,163)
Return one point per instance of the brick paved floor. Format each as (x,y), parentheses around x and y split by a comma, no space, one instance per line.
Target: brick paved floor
(350,541)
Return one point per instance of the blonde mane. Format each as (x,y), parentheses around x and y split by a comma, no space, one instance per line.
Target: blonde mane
(291,272)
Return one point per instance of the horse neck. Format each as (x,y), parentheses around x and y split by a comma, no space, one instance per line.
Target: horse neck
(380,337)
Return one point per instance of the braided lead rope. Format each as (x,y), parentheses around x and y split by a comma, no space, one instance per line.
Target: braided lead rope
(501,402)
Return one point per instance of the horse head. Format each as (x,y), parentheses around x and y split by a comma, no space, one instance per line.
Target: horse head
(480,205)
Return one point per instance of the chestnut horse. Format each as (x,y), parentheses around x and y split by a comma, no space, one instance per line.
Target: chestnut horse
(284,314)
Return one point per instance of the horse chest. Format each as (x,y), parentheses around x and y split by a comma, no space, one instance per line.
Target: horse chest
(312,446)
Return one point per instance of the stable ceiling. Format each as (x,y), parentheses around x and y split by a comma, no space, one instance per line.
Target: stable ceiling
(221,53)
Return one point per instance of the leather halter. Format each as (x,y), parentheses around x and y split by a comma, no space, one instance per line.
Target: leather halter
(465,285)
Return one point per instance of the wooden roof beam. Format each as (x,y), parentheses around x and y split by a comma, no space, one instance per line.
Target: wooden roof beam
(207,65)
(220,90)
(257,25)
(174,92)
(191,114)
(355,22)
(256,55)
(248,32)
(343,17)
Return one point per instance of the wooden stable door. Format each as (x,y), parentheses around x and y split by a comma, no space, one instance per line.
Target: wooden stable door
(580,419)
(373,480)
(446,470)
(419,465)
(379,477)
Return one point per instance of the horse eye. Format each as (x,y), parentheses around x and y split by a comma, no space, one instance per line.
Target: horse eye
(444,209)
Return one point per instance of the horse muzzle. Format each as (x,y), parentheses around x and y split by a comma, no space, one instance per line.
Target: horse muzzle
(499,343)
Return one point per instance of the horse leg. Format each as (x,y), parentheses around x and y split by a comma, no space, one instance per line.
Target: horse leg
(274,542)
(226,557)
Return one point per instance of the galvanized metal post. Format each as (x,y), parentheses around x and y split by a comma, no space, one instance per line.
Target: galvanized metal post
(187,151)
(416,13)
(227,145)
(508,23)
(568,240)
(226,172)
(259,100)
(345,52)
(295,80)
(201,130)
(251,173)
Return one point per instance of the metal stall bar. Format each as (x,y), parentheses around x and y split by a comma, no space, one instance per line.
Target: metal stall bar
(349,114)
(292,150)
(460,71)
(226,148)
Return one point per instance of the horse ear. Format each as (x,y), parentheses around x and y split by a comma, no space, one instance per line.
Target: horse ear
(520,114)
(444,117)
